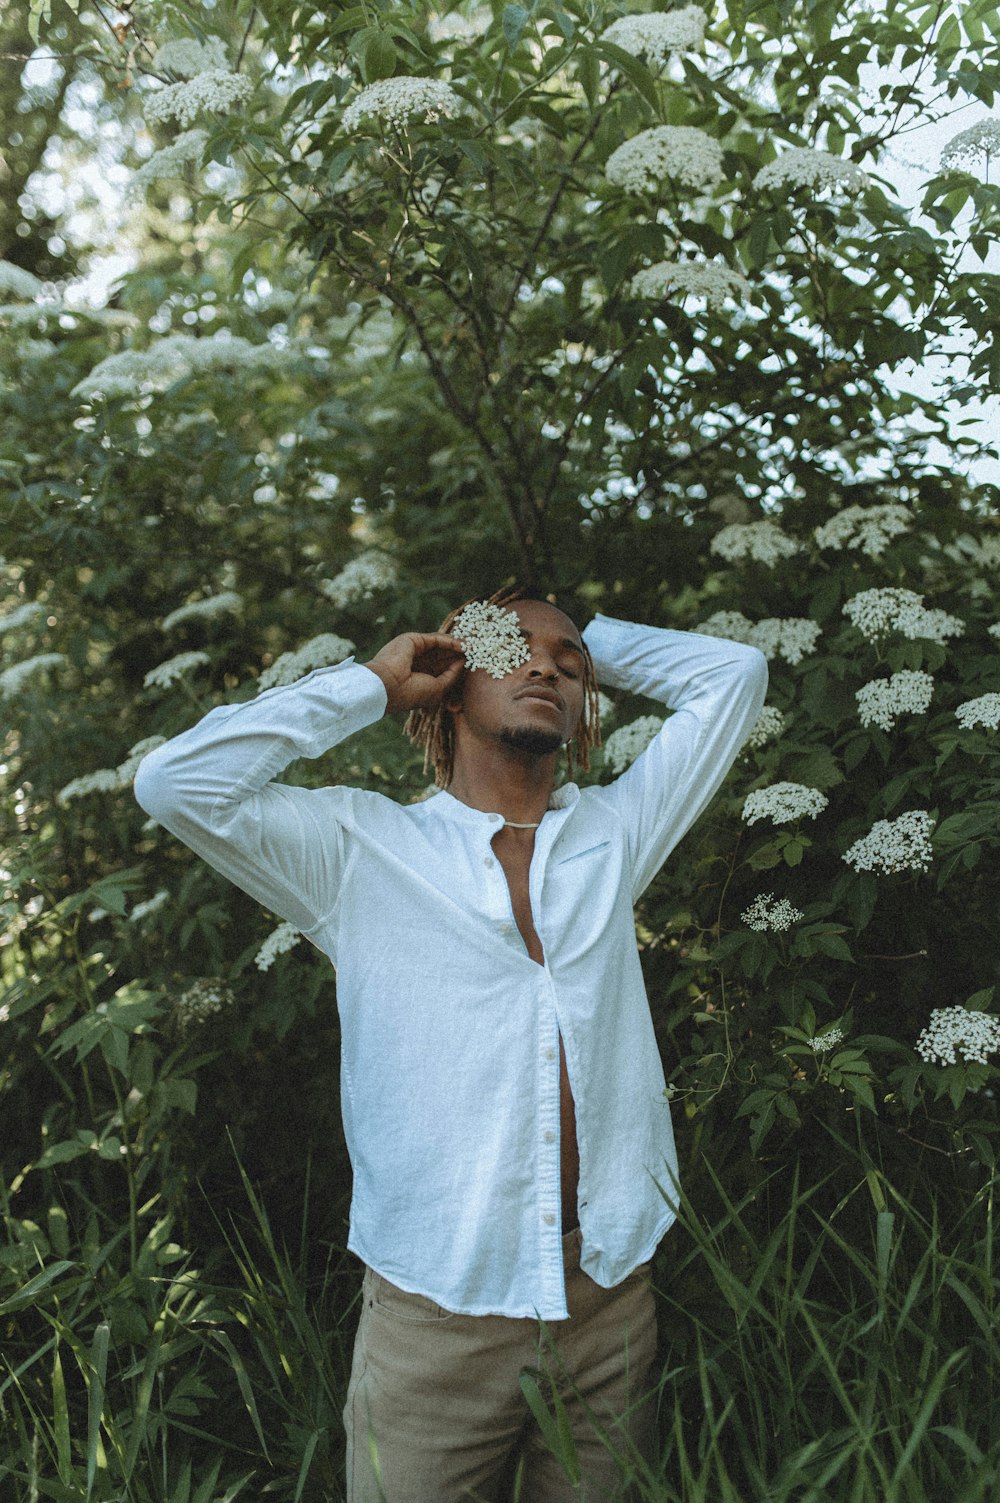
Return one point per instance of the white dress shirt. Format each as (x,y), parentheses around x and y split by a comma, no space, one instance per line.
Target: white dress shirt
(450,1031)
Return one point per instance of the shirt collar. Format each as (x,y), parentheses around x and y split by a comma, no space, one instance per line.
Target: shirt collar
(452,808)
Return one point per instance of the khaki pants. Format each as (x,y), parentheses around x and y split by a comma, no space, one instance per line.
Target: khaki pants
(435,1411)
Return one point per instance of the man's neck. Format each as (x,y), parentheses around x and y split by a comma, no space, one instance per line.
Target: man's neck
(517,789)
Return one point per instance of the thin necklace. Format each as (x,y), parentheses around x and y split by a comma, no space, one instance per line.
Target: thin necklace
(513,825)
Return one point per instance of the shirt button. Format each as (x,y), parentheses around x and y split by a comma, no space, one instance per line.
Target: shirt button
(550,1137)
(550,1054)
(549,1219)
(489,861)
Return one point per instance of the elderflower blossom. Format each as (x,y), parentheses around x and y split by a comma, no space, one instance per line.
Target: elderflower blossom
(151,905)
(982,711)
(21,615)
(215,89)
(458,28)
(174,669)
(768,726)
(979,140)
(895,845)
(167,162)
(976,1034)
(876,612)
(319,652)
(868,528)
(883,700)
(625,744)
(491,638)
(768,914)
(212,605)
(204,998)
(707,279)
(763,542)
(805,167)
(656,34)
(13,679)
(278,942)
(17,282)
(168,360)
(109,779)
(605,708)
(790,638)
(359,579)
(188,57)
(994,630)
(782,802)
(681,152)
(395,100)
(828,1039)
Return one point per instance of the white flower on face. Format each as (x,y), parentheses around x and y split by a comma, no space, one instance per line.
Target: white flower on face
(976,1034)
(708,279)
(894,845)
(187,57)
(790,638)
(782,802)
(319,652)
(804,167)
(679,152)
(770,914)
(982,711)
(395,100)
(763,542)
(215,89)
(21,615)
(491,638)
(656,34)
(359,579)
(212,605)
(167,162)
(624,745)
(868,528)
(14,678)
(767,727)
(278,942)
(979,140)
(883,700)
(165,674)
(16,282)
(875,613)
(828,1039)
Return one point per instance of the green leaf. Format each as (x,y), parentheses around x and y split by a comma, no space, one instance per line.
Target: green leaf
(515,19)
(379,58)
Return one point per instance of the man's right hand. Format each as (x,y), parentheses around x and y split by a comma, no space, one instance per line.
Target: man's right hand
(418,669)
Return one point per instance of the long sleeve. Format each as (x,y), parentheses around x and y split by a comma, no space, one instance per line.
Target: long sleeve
(212,787)
(716,689)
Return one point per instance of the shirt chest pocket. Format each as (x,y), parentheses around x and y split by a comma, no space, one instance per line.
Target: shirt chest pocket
(586,854)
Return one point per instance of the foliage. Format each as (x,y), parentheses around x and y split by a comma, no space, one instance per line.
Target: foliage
(356,376)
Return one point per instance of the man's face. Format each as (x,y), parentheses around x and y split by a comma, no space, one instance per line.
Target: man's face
(506,709)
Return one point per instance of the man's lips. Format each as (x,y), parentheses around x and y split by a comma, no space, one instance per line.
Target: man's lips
(547,696)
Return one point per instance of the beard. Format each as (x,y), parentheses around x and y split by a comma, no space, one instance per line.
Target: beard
(533,743)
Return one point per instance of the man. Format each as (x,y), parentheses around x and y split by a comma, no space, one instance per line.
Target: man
(503,1098)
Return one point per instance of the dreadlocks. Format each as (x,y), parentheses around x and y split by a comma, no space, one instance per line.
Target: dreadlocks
(434,730)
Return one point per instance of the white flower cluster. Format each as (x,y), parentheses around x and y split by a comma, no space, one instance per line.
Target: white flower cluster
(109,779)
(319,652)
(167,162)
(805,167)
(21,615)
(877,612)
(17,282)
(165,674)
(763,542)
(883,700)
(278,942)
(168,360)
(789,637)
(982,711)
(828,1039)
(868,528)
(656,34)
(455,27)
(781,802)
(13,679)
(628,741)
(768,914)
(215,89)
(767,727)
(202,1000)
(359,579)
(395,100)
(680,152)
(976,1034)
(151,905)
(894,845)
(187,57)
(605,708)
(994,630)
(708,279)
(979,140)
(212,605)
(491,638)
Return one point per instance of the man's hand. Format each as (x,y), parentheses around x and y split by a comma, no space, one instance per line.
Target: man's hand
(418,669)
